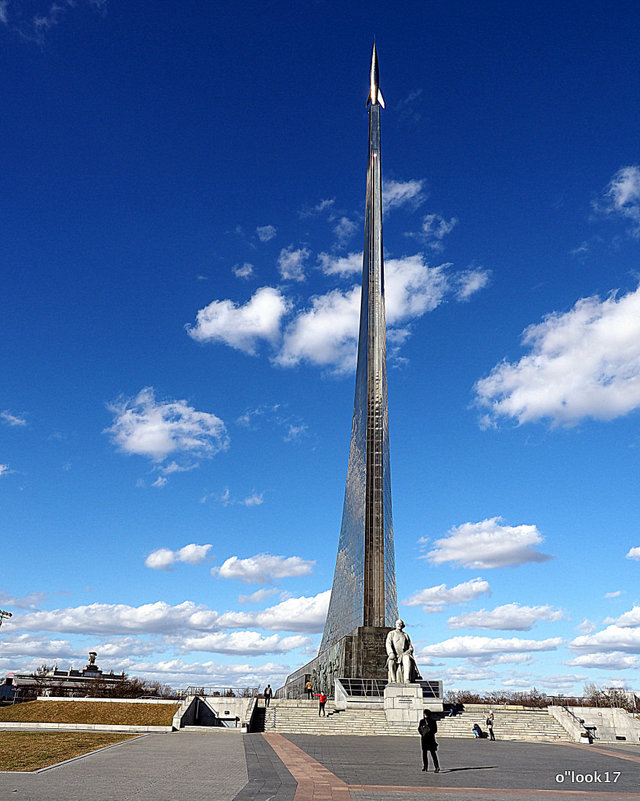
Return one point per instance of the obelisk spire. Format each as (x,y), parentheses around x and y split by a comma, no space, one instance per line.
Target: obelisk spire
(364,584)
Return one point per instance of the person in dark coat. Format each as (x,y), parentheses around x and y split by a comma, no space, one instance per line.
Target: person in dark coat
(490,726)
(268,692)
(427,729)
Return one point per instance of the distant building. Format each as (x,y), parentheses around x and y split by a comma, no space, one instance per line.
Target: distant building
(59,682)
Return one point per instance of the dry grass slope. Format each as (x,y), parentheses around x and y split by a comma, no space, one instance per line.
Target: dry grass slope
(116,713)
(35,750)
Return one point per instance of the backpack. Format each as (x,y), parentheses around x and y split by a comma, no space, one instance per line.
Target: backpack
(424,728)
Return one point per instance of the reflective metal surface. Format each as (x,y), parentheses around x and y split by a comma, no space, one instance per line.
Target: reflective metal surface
(364,584)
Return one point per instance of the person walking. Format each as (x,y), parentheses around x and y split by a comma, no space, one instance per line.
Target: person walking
(490,726)
(427,729)
(268,692)
(309,690)
(322,700)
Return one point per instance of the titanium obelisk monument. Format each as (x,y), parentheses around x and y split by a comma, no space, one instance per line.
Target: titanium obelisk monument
(364,584)
(363,604)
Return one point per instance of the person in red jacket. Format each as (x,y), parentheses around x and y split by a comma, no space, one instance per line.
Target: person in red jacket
(322,700)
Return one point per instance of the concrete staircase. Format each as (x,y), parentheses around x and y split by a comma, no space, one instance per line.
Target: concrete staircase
(301,717)
(510,723)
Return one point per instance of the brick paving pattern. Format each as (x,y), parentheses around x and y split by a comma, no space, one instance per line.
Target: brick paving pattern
(269,779)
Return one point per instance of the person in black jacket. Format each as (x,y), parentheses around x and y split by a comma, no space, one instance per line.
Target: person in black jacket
(427,729)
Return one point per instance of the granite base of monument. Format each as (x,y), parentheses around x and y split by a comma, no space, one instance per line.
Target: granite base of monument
(403,704)
(360,654)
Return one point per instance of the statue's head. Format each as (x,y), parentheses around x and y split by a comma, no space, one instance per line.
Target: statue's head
(399,624)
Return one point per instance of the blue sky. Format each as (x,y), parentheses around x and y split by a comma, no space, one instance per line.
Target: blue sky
(182,193)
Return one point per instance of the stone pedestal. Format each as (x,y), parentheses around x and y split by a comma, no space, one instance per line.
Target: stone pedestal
(403,704)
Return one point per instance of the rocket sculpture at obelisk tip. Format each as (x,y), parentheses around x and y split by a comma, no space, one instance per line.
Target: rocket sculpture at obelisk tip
(364,584)
(375,95)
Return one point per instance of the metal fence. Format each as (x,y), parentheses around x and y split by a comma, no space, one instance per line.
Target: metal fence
(220,692)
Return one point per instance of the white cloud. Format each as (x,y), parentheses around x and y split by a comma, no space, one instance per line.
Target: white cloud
(292,262)
(255,499)
(241,327)
(471,281)
(586,627)
(340,265)
(413,288)
(226,499)
(326,334)
(12,419)
(174,467)
(622,197)
(304,615)
(31,601)
(179,673)
(300,615)
(634,553)
(258,596)
(276,415)
(615,594)
(344,229)
(435,228)
(614,660)
(325,205)
(164,558)
(161,481)
(24,645)
(583,363)
(434,599)
(33,23)
(146,427)
(243,270)
(630,619)
(612,638)
(244,642)
(154,618)
(460,675)
(4,470)
(295,432)
(559,682)
(123,647)
(469,646)
(263,568)
(400,193)
(512,617)
(266,232)
(488,544)
(501,659)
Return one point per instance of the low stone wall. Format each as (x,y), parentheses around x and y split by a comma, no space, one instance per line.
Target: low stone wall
(82,727)
(611,723)
(107,700)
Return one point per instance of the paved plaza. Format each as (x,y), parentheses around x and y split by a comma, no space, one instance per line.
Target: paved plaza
(227,766)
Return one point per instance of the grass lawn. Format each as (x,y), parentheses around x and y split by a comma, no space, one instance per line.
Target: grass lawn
(33,750)
(118,713)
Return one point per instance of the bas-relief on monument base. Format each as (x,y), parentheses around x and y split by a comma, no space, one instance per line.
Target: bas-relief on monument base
(360,655)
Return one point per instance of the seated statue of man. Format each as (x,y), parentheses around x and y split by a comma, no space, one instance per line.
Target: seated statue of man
(401,664)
